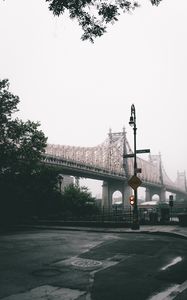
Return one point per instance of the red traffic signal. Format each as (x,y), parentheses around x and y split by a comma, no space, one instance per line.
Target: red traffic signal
(131,200)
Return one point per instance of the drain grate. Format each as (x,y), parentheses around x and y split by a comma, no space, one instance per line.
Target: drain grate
(86,264)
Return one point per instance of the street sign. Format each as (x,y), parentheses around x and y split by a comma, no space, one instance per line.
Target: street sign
(137,152)
(128,155)
(134,182)
(143,151)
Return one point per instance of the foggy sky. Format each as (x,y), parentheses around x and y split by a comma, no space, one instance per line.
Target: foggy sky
(78,90)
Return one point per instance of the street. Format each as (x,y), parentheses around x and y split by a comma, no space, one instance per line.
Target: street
(58,264)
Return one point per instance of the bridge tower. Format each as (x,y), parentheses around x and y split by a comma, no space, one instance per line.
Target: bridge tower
(109,158)
(181,182)
(127,188)
(160,191)
(110,186)
(163,189)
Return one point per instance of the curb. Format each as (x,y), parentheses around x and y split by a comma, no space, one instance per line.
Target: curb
(180,293)
(102,230)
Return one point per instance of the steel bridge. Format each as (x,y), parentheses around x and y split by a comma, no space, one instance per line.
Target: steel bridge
(105,162)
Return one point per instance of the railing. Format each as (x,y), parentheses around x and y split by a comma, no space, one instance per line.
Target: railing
(70,163)
(107,218)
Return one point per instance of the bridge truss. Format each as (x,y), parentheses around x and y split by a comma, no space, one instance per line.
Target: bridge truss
(108,156)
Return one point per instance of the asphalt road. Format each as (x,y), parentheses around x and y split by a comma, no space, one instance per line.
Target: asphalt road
(63,265)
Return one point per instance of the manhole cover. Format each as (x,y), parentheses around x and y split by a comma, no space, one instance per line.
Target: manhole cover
(86,264)
(46,272)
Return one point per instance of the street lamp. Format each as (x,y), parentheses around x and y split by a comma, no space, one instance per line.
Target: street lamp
(60,179)
(132,123)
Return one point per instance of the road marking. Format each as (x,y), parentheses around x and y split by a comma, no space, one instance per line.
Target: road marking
(173,262)
(46,292)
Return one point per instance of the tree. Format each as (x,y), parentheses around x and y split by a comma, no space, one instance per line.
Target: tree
(22,145)
(78,201)
(42,196)
(94,15)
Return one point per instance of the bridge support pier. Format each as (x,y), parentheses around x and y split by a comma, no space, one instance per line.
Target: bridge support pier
(127,193)
(106,196)
(163,194)
(150,192)
(148,196)
(109,187)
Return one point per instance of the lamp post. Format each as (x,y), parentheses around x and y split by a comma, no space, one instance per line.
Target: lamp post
(132,122)
(60,179)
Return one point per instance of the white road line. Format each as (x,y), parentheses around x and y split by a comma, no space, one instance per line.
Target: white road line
(173,262)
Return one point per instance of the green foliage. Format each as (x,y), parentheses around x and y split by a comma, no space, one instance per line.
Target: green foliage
(21,143)
(41,193)
(25,195)
(94,15)
(78,201)
(21,148)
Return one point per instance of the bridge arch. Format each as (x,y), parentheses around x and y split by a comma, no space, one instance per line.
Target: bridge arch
(117,197)
(156,197)
(151,193)
(110,187)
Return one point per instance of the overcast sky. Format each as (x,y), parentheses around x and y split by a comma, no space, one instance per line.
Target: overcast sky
(78,90)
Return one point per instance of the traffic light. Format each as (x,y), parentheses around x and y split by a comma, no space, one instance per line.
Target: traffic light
(131,200)
(171,200)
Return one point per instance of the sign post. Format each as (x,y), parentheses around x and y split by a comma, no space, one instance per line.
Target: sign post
(134,181)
